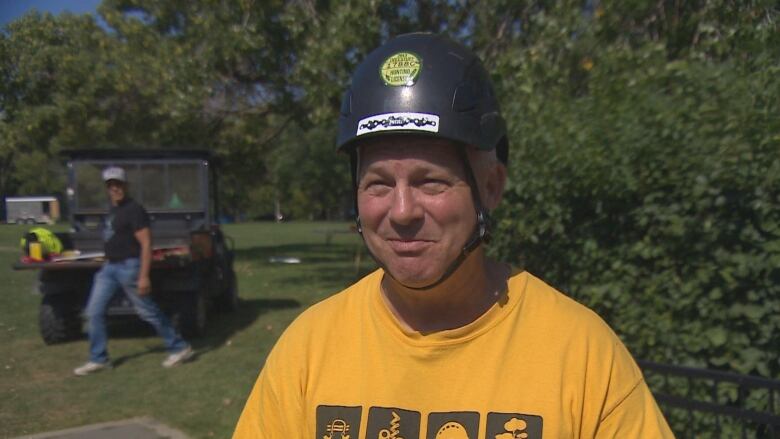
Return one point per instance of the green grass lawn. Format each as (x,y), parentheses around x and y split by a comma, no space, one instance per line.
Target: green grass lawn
(202,398)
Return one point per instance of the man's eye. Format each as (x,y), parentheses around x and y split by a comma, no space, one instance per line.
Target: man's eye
(374,185)
(433,186)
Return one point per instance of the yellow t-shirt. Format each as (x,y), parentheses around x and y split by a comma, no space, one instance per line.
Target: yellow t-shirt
(537,364)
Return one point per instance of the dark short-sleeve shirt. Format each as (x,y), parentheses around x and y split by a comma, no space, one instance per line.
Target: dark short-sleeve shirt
(123,221)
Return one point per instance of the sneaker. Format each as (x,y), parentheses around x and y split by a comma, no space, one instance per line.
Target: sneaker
(177,358)
(91,367)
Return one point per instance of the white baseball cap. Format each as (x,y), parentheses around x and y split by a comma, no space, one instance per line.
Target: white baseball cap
(114,173)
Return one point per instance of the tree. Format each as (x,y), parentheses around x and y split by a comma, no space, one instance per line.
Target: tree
(46,96)
(643,176)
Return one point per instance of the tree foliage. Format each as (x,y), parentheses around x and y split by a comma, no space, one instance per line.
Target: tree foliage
(644,175)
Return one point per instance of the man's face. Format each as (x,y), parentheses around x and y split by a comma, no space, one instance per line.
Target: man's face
(116,191)
(415,206)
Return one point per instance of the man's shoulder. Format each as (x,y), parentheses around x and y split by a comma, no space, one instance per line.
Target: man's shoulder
(135,213)
(347,302)
(135,204)
(568,327)
(353,295)
(130,204)
(556,306)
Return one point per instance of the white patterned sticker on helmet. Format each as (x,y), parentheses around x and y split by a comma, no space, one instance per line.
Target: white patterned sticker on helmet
(399,121)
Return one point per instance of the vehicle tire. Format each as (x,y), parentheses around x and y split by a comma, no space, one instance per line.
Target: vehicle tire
(228,297)
(58,319)
(190,315)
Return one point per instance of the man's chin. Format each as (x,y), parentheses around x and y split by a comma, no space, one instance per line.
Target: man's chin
(412,279)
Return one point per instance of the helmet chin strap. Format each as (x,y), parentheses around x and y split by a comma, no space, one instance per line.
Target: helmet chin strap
(477,237)
(480,234)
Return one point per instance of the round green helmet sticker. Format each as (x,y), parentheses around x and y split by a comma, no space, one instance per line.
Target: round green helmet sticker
(400,69)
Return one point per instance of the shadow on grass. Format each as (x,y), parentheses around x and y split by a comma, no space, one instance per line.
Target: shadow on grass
(222,326)
(308,253)
(219,328)
(335,264)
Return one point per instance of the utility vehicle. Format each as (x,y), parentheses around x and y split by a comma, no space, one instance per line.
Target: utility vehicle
(192,264)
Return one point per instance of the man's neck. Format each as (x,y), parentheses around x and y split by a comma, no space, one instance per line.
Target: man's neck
(462,298)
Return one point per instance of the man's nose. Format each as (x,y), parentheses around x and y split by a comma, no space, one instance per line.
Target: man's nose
(406,207)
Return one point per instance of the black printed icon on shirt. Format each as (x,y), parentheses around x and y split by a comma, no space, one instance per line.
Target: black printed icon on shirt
(337,422)
(392,423)
(453,425)
(513,426)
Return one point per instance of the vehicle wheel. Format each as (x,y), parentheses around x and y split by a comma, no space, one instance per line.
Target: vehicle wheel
(228,297)
(58,319)
(190,316)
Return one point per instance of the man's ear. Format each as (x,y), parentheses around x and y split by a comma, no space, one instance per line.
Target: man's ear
(495,181)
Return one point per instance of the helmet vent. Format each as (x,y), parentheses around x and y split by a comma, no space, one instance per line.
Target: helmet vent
(465,98)
(346,103)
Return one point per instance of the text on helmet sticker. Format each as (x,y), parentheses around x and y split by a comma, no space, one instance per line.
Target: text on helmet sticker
(400,69)
(399,121)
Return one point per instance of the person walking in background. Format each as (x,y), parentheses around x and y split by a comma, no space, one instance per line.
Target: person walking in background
(128,252)
(441,341)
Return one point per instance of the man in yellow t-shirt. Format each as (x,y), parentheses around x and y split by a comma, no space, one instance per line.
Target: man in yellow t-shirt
(441,342)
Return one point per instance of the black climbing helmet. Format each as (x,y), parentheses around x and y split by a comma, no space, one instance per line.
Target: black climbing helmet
(423,84)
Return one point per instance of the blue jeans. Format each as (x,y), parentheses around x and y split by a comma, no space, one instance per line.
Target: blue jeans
(123,275)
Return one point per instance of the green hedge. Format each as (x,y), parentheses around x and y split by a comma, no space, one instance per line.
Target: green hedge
(649,189)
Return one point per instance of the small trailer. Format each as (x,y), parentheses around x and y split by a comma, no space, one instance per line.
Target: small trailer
(32,210)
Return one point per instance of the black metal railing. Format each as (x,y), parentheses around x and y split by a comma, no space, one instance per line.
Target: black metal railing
(701,403)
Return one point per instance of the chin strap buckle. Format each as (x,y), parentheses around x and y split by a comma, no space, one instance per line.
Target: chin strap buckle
(483,226)
(358,225)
